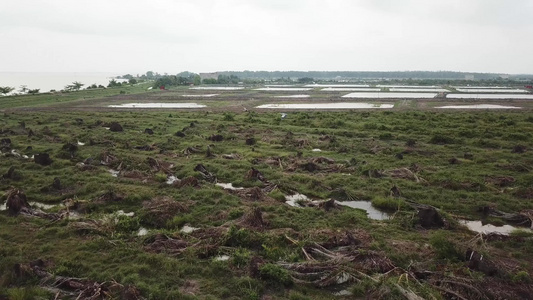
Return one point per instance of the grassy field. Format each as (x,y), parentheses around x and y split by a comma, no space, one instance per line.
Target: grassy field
(249,243)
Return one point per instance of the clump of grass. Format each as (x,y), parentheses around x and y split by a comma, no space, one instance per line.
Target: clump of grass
(275,274)
(388,203)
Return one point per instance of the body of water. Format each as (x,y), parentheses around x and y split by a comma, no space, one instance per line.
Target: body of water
(489,96)
(52,81)
(377,95)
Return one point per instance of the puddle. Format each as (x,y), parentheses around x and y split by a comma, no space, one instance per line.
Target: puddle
(221,88)
(377,95)
(293,199)
(142,231)
(188,229)
(482,87)
(3,206)
(228,186)
(371,211)
(279,85)
(343,293)
(171,179)
(199,96)
(293,96)
(488,96)
(288,89)
(436,90)
(348,89)
(341,105)
(122,213)
(489,90)
(338,85)
(477,226)
(114,173)
(222,258)
(316,150)
(479,106)
(158,105)
(81,144)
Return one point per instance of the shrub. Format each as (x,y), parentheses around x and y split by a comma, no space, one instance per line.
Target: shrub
(444,248)
(441,139)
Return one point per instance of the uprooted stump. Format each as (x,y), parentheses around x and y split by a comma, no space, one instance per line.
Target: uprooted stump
(478,262)
(188,181)
(524,218)
(250,141)
(16,201)
(256,174)
(208,176)
(395,192)
(254,218)
(12,174)
(42,159)
(161,243)
(115,127)
(191,150)
(158,211)
(180,134)
(519,149)
(216,138)
(428,216)
(75,288)
(328,205)
(109,196)
(149,131)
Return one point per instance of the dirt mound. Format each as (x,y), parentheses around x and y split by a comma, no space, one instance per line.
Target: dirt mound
(250,141)
(180,134)
(501,181)
(161,243)
(43,159)
(519,149)
(256,174)
(158,211)
(109,196)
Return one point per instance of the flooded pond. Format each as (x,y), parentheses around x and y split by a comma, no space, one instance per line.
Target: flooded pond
(113,173)
(341,105)
(488,96)
(158,105)
(293,96)
(491,90)
(344,89)
(371,211)
(479,106)
(43,205)
(477,226)
(384,95)
(408,86)
(218,88)
(199,96)
(436,90)
(289,89)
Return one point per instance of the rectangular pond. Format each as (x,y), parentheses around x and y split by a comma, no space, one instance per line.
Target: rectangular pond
(338,105)
(479,106)
(288,89)
(470,90)
(201,96)
(348,89)
(385,95)
(219,88)
(292,96)
(338,85)
(408,86)
(435,90)
(158,105)
(489,96)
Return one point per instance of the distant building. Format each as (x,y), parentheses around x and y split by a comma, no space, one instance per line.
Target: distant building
(504,76)
(209,75)
(469,77)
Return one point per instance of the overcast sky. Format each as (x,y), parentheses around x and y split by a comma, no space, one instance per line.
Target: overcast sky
(133,36)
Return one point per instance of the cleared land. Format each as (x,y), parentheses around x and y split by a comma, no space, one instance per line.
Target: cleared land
(195,204)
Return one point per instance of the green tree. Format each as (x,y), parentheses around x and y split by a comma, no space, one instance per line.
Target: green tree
(34,91)
(6,90)
(197,80)
(75,86)
(132,81)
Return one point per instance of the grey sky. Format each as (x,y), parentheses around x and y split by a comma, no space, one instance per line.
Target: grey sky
(132,36)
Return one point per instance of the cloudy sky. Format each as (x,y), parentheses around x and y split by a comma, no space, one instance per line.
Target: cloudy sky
(133,36)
